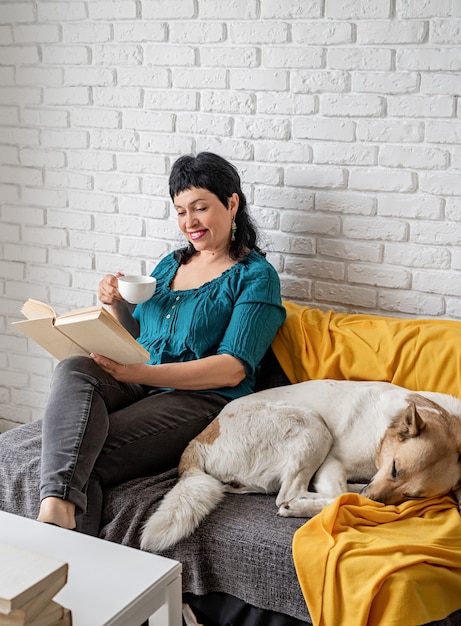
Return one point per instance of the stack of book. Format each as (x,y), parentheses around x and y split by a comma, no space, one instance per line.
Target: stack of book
(28,583)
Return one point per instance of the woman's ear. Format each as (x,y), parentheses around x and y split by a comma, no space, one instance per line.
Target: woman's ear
(233,204)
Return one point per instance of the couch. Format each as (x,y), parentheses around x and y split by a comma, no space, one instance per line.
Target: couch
(237,567)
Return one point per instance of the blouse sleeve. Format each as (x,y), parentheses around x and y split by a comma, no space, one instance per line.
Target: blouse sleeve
(257,315)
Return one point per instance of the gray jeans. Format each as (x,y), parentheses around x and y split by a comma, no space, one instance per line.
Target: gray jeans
(99,432)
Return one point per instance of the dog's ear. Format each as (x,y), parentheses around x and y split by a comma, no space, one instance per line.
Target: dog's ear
(410,423)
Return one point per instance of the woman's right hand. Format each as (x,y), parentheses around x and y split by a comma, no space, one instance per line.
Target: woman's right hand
(108,292)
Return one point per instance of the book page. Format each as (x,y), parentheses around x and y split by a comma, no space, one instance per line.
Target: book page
(43,332)
(103,335)
(34,309)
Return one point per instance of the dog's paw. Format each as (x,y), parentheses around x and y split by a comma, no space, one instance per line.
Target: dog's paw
(303,507)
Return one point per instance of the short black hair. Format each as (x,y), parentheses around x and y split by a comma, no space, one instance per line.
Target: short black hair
(212,172)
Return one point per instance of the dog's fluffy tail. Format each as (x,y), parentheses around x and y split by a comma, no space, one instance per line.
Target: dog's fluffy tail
(193,497)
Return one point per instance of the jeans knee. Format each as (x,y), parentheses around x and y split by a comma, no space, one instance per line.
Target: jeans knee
(75,365)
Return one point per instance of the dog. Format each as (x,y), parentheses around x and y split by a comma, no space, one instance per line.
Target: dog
(309,443)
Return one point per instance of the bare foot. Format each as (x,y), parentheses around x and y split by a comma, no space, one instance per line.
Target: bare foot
(57,511)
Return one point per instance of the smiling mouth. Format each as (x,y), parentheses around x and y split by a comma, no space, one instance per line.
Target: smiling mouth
(197,234)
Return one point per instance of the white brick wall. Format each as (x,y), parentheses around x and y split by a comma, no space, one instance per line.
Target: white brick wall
(343,117)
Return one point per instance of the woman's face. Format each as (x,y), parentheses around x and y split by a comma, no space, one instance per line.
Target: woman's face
(204,220)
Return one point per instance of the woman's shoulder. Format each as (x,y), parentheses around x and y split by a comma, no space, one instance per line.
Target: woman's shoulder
(256,263)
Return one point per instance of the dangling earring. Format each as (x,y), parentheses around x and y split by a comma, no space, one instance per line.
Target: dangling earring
(233,229)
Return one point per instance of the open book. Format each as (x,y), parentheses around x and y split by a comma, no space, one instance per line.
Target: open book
(80,332)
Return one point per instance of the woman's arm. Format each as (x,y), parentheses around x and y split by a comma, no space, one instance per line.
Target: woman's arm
(212,372)
(109,295)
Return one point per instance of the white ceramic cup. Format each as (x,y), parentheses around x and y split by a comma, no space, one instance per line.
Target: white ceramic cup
(136,289)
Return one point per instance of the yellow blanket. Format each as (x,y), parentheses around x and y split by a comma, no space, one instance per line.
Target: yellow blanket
(422,355)
(361,563)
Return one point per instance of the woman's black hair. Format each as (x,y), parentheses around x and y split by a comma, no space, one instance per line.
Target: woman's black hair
(212,172)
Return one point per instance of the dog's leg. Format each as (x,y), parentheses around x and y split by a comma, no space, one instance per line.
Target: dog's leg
(329,482)
(308,450)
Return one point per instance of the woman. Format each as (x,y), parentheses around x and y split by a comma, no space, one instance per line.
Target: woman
(216,309)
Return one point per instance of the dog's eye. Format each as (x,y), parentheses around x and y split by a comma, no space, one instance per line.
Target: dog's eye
(394,470)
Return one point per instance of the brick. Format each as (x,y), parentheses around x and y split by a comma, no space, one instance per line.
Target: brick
(144,77)
(413,157)
(438,282)
(414,206)
(259,79)
(311,81)
(68,180)
(141,163)
(446,31)
(195,78)
(118,140)
(412,255)
(391,32)
(42,117)
(261,128)
(322,33)
(315,176)
(258,32)
(443,132)
(50,77)
(323,129)
(380,276)
(229,56)
(19,55)
(205,124)
(95,118)
(295,9)
(378,59)
(113,54)
(440,83)
(67,95)
(61,11)
(409,9)
(165,9)
(14,12)
(343,295)
(443,183)
(44,197)
(421,106)
(404,131)
(171,100)
(310,224)
(385,82)
(119,97)
(88,32)
(356,9)
(374,228)
(9,115)
(84,76)
(344,154)
(42,158)
(117,182)
(122,9)
(283,151)
(65,138)
(359,105)
(143,206)
(344,202)
(25,95)
(333,270)
(20,175)
(381,180)
(350,251)
(148,120)
(292,57)
(139,31)
(410,302)
(36,33)
(283,198)
(93,201)
(74,55)
(434,59)
(229,9)
(28,215)
(446,233)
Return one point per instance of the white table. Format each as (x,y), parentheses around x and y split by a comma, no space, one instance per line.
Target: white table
(108,584)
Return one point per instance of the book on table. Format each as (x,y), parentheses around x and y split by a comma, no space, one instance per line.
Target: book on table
(28,582)
(80,332)
(53,614)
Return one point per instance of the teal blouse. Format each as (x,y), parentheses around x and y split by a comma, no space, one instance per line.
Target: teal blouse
(237,313)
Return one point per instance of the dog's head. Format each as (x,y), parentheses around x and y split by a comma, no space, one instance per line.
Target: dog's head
(419,455)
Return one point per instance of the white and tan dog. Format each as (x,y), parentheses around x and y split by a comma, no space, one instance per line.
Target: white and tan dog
(309,442)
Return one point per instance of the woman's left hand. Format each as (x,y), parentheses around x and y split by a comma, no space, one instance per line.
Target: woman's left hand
(122,373)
